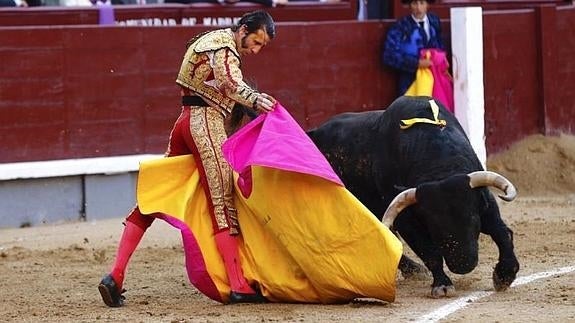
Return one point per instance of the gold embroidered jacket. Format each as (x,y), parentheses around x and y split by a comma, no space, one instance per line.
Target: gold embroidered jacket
(211,70)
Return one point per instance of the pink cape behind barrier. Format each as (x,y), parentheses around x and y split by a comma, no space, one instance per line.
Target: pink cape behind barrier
(434,81)
(442,82)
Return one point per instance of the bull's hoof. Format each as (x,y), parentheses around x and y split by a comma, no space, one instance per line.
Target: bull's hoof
(501,284)
(442,291)
(504,274)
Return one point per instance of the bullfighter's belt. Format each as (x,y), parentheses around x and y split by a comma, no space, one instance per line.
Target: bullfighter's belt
(194,101)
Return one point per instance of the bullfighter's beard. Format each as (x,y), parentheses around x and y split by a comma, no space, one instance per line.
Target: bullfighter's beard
(244,41)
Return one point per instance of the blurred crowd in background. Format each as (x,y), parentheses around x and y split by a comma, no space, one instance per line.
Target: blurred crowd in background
(36,3)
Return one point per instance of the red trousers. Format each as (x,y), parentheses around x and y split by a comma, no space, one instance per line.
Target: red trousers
(200,131)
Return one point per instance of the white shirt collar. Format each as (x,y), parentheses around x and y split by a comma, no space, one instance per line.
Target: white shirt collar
(425,24)
(418,20)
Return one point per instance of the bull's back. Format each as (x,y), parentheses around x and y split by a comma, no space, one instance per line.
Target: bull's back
(428,152)
(347,141)
(349,131)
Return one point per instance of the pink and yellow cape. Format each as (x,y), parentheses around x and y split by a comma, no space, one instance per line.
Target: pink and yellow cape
(305,238)
(434,81)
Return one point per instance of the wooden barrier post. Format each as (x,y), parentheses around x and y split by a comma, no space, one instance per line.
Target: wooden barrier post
(467,49)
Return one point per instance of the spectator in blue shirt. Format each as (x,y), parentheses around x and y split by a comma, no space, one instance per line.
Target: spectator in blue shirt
(405,39)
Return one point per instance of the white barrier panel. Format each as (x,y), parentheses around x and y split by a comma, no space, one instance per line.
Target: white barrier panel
(467,49)
(72,167)
(53,191)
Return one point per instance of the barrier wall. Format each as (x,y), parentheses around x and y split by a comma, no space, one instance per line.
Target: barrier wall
(89,91)
(559,71)
(527,73)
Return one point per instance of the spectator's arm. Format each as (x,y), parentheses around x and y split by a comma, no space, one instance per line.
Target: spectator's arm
(436,23)
(393,54)
(439,40)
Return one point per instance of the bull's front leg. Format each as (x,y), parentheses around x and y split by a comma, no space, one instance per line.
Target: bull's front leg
(418,239)
(507,267)
(442,285)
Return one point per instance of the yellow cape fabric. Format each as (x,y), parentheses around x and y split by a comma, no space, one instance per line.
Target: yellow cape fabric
(304,239)
(423,83)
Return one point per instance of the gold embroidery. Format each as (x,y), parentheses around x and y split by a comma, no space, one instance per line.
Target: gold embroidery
(215,40)
(221,82)
(211,69)
(207,129)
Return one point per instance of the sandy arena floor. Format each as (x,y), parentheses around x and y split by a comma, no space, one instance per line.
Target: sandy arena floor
(50,273)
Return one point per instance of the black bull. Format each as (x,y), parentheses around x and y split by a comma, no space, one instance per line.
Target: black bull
(442,208)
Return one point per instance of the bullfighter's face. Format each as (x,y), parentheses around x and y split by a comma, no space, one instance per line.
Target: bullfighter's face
(251,43)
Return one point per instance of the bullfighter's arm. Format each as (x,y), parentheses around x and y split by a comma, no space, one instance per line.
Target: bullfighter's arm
(229,78)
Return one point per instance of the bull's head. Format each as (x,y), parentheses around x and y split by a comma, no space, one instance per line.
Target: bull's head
(451,210)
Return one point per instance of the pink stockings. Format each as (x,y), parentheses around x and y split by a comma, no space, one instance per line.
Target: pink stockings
(137,224)
(130,239)
(228,248)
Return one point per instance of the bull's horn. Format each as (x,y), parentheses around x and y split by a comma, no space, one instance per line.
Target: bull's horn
(487,178)
(400,202)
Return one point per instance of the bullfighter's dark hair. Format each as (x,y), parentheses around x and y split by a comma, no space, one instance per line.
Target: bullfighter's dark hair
(255,21)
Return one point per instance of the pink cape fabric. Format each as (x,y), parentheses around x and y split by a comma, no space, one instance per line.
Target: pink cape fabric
(275,140)
(442,82)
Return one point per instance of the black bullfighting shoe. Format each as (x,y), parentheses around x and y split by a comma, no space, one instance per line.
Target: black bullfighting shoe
(236,297)
(111,294)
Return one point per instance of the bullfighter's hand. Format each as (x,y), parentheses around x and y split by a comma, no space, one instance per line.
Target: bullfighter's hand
(265,102)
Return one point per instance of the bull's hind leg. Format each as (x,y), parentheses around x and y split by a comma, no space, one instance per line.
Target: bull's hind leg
(410,268)
(506,269)
(419,241)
